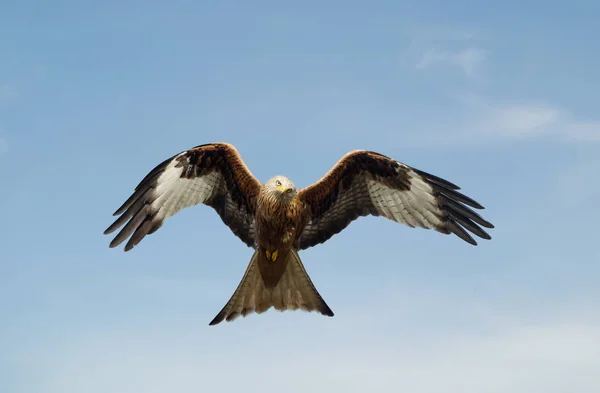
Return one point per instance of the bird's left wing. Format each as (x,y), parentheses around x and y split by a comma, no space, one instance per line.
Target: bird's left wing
(213,174)
(367,183)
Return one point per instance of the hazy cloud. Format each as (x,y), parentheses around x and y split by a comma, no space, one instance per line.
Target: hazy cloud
(523,119)
(521,358)
(511,119)
(529,118)
(468,60)
(480,120)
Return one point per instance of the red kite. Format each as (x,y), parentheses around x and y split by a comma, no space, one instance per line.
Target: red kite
(277,220)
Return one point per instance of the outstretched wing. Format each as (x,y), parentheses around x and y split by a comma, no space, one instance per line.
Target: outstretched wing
(213,174)
(367,183)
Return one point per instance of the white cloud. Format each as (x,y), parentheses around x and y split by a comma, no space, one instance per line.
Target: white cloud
(522,120)
(469,60)
(480,121)
(526,118)
(511,119)
(486,120)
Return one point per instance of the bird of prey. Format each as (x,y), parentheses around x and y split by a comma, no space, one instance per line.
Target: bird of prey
(277,220)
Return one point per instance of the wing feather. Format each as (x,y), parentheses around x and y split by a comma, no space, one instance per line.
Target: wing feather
(213,174)
(367,183)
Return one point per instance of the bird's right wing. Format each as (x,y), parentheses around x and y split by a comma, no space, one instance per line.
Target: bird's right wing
(213,174)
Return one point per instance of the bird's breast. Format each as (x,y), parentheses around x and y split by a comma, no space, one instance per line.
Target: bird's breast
(277,225)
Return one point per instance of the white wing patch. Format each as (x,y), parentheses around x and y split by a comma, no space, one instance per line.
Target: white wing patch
(211,174)
(176,193)
(161,198)
(415,208)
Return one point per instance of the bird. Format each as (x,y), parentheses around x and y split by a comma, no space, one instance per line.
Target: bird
(277,220)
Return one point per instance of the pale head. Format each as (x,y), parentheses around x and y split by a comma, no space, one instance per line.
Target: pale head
(281,187)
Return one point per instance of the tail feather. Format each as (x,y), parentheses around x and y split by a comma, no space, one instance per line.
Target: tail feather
(294,290)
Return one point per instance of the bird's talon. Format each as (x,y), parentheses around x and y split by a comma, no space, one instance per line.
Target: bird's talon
(271,256)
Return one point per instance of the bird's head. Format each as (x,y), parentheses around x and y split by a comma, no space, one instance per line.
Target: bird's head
(281,187)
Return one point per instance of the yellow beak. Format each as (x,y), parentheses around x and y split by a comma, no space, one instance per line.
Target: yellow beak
(282,189)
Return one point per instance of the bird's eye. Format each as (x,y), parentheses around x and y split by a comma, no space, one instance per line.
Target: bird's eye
(288,190)
(277,183)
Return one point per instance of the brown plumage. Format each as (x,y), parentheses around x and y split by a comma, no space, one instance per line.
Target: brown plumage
(277,221)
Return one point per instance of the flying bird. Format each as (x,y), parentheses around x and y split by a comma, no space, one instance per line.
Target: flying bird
(277,220)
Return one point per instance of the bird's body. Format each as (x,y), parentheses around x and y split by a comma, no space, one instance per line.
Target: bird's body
(278,221)
(278,225)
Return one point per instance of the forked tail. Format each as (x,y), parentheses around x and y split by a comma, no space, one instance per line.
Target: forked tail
(294,290)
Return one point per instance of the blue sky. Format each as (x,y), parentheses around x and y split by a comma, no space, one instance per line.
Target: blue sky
(500,100)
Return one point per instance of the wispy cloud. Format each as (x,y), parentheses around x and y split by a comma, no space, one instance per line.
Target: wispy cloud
(511,119)
(529,119)
(469,60)
(446,46)
(487,117)
(484,121)
(522,118)
(489,122)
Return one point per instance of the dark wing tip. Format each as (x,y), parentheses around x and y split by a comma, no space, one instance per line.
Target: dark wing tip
(459,224)
(437,180)
(462,198)
(116,245)
(459,231)
(485,236)
(448,188)
(326,311)
(222,316)
(114,226)
(115,242)
(457,215)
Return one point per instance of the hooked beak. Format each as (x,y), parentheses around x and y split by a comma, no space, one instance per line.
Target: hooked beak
(282,189)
